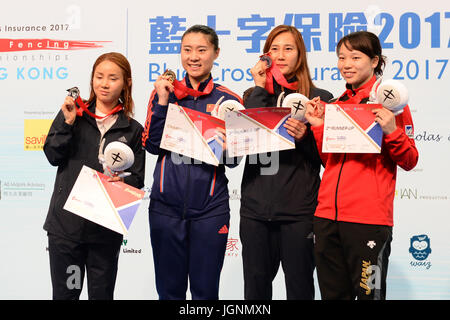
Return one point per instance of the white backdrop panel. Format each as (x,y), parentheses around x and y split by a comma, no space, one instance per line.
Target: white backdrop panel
(35,73)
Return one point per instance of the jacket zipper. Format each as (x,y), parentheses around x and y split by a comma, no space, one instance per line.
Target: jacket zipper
(213,183)
(161,175)
(188,177)
(187,191)
(337,187)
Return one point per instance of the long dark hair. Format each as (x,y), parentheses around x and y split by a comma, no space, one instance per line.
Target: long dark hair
(366,42)
(301,69)
(125,96)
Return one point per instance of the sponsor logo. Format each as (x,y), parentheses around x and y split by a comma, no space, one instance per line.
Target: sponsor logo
(14,45)
(14,189)
(235,195)
(427,136)
(232,249)
(35,133)
(420,249)
(126,249)
(406,193)
(414,194)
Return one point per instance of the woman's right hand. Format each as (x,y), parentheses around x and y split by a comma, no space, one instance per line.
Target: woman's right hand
(259,73)
(69,110)
(314,112)
(163,88)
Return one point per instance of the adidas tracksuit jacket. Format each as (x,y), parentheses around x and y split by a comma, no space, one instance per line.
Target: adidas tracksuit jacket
(189,206)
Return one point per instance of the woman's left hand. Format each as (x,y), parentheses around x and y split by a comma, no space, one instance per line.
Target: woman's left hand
(386,119)
(314,112)
(295,128)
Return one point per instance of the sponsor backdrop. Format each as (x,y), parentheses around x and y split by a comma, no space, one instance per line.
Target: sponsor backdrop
(49,46)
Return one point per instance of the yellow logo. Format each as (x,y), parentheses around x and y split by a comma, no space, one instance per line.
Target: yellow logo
(134,193)
(35,132)
(364,276)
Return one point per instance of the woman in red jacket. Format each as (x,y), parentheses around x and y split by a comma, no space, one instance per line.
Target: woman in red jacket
(354,217)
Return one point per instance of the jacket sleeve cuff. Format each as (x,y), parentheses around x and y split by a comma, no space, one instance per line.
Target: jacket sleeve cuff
(317,130)
(393,135)
(61,125)
(159,110)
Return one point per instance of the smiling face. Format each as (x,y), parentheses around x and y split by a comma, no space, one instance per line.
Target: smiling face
(284,53)
(197,56)
(107,83)
(356,67)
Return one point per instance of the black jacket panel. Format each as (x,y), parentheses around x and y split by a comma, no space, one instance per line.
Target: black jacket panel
(286,188)
(69,147)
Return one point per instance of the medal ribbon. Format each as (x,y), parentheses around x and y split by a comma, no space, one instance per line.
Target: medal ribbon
(181,90)
(83,107)
(275,72)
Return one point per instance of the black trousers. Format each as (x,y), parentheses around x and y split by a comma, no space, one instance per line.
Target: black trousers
(69,260)
(352,259)
(188,249)
(265,245)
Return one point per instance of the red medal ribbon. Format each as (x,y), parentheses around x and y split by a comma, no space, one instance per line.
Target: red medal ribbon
(83,107)
(181,90)
(275,72)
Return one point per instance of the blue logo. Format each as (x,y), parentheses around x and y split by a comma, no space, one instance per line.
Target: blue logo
(409,131)
(420,247)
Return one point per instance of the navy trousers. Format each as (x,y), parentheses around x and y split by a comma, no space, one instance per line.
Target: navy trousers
(188,249)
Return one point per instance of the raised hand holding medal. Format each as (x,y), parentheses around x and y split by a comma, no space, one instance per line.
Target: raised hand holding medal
(74,106)
(164,86)
(69,110)
(273,72)
(259,71)
(167,83)
(169,75)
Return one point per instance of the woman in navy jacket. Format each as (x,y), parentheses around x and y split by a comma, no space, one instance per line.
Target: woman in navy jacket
(189,209)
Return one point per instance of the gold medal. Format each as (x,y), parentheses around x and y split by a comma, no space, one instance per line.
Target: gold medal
(170,74)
